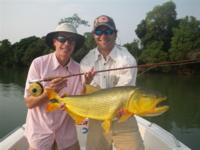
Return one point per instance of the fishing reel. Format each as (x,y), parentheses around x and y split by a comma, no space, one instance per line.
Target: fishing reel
(35,89)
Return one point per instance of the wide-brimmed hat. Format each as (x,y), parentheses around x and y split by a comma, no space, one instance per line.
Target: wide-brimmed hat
(104,20)
(69,31)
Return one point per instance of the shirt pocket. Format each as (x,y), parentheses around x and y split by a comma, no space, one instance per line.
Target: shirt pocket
(113,79)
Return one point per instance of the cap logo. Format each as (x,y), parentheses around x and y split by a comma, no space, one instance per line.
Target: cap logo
(103,19)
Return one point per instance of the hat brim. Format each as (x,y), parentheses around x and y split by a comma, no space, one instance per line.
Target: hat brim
(79,39)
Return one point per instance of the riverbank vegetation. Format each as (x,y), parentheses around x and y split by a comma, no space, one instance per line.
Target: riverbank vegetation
(161,38)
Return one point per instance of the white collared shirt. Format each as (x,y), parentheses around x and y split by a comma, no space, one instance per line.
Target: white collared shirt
(119,57)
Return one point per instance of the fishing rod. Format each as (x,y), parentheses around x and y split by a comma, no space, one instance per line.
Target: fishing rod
(152,65)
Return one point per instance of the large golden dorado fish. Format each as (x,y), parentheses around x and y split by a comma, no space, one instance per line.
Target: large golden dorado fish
(104,104)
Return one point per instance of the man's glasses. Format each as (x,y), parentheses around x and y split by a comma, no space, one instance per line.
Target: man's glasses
(105,32)
(63,39)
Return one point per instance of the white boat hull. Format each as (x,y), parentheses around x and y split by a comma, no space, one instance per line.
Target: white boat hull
(154,137)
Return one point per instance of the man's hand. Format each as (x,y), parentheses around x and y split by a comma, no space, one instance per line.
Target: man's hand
(89,76)
(57,84)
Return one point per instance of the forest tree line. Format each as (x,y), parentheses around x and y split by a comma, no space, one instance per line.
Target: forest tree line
(161,38)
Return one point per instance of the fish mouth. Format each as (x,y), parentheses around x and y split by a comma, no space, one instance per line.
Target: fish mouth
(161,106)
(162,102)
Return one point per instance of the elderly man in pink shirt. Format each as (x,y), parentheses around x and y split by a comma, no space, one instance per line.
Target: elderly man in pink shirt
(54,130)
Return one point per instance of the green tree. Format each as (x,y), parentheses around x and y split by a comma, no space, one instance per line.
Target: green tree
(88,45)
(153,53)
(6,54)
(155,31)
(20,48)
(27,49)
(186,40)
(34,49)
(75,20)
(133,48)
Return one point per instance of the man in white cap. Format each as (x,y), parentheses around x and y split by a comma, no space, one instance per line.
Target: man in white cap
(109,55)
(54,130)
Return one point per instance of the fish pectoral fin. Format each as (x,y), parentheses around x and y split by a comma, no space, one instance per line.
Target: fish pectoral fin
(106,125)
(88,89)
(124,116)
(77,118)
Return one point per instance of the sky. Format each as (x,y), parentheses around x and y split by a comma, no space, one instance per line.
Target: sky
(24,18)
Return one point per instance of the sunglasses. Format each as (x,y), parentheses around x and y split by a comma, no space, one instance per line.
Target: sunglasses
(63,39)
(105,32)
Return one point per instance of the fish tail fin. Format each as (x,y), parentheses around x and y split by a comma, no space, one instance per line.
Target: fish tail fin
(52,107)
(53,100)
(51,93)
(106,125)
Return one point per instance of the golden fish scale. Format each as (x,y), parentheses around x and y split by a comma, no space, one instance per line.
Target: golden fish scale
(101,104)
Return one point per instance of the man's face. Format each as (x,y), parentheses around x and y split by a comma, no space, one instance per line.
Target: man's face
(64,46)
(104,37)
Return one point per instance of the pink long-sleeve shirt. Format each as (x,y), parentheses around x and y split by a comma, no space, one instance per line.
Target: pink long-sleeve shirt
(43,128)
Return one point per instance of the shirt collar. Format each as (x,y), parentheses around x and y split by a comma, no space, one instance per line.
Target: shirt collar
(56,64)
(111,55)
(97,55)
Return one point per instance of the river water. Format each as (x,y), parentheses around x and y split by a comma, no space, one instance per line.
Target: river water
(182,120)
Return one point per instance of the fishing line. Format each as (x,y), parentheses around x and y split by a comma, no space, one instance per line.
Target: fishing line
(185,62)
(153,65)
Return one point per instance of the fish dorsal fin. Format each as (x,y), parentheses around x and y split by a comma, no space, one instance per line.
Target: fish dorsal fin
(88,89)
